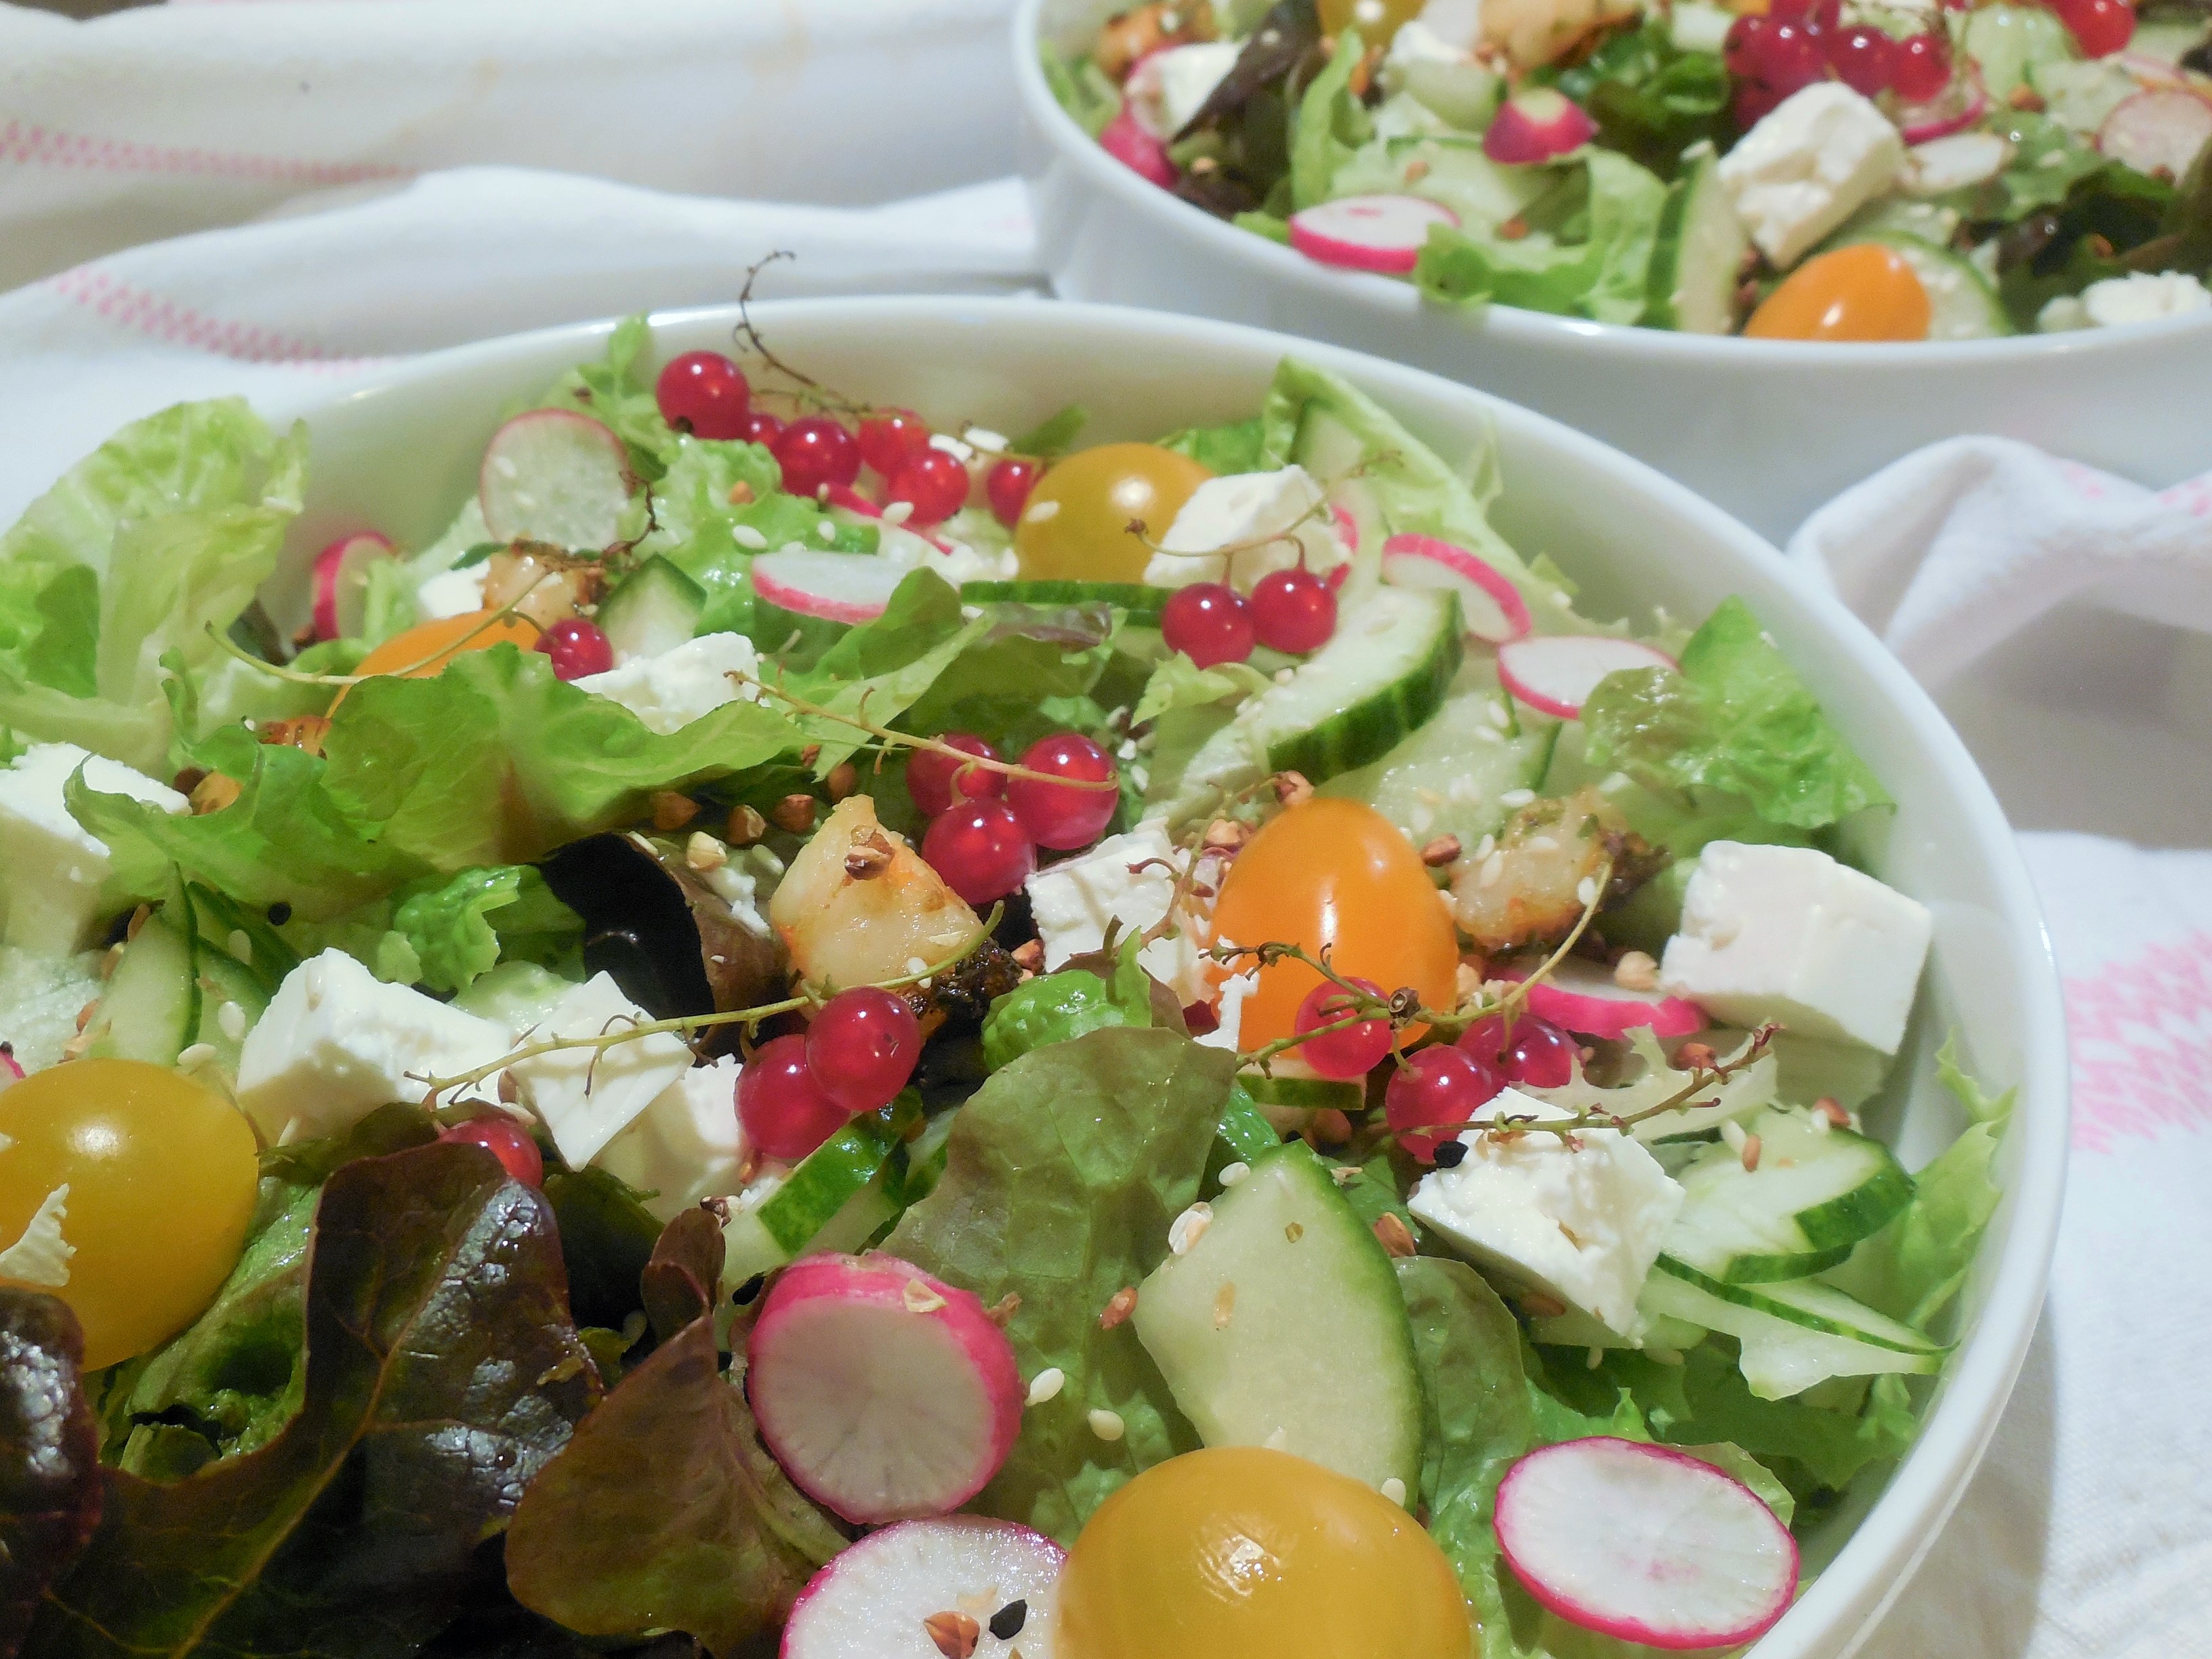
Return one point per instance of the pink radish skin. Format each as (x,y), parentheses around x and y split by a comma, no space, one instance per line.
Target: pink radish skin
(1555,673)
(1490,606)
(883,1393)
(1957,107)
(1138,151)
(2156,132)
(1645,1543)
(871,1601)
(845,499)
(1369,233)
(555,475)
(341,582)
(839,587)
(11,1069)
(1536,126)
(1582,997)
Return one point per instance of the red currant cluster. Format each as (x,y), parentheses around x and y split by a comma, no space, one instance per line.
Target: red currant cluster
(578,648)
(985,828)
(796,1092)
(2100,28)
(1796,42)
(1293,611)
(705,394)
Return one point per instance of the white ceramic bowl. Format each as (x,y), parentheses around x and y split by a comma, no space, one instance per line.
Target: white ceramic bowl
(400,453)
(1769,430)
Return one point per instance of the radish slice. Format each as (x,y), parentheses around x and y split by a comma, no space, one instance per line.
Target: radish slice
(875,1599)
(1369,233)
(1943,165)
(1556,672)
(342,582)
(844,498)
(11,1069)
(1954,109)
(2157,132)
(1645,1543)
(1138,151)
(844,587)
(883,1393)
(1539,124)
(1490,606)
(1585,999)
(555,475)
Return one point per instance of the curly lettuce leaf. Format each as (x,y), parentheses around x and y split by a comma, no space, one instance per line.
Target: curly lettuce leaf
(466,925)
(1735,719)
(1060,1007)
(1082,88)
(1238,447)
(50,1481)
(1330,126)
(1062,1173)
(1584,248)
(1651,99)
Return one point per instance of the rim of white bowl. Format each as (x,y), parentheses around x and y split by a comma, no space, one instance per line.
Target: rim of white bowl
(1215,238)
(1878,1557)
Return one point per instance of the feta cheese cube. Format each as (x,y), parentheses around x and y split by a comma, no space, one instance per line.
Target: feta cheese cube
(1581,1222)
(1415,42)
(587,1097)
(51,903)
(686,1145)
(2143,296)
(1229,1013)
(1810,163)
(335,1043)
(1245,508)
(1786,933)
(1453,23)
(671,691)
(452,593)
(1168,87)
(1073,901)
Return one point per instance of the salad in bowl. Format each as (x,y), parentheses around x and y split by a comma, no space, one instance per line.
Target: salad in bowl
(825,1029)
(1798,171)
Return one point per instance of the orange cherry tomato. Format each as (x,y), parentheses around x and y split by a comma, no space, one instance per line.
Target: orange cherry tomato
(1377,20)
(1075,524)
(1863,292)
(422,652)
(1335,875)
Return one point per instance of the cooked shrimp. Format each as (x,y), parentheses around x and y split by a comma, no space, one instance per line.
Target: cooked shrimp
(1532,33)
(858,905)
(1528,889)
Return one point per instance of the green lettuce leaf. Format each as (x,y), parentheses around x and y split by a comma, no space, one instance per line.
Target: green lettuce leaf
(463,926)
(1062,1173)
(1735,719)
(1829,1445)
(1060,1007)
(1235,447)
(1081,88)
(881,668)
(50,1481)
(1331,124)
(1179,682)
(1650,100)
(1586,250)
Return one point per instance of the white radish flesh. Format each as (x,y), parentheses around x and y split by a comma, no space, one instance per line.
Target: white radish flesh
(1490,607)
(342,582)
(2157,132)
(555,475)
(875,1599)
(1645,1543)
(1943,165)
(1585,999)
(845,588)
(884,1394)
(1954,109)
(1555,673)
(1368,232)
(1537,125)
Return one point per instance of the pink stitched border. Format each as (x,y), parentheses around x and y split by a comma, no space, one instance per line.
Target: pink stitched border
(37,146)
(128,305)
(2142,1032)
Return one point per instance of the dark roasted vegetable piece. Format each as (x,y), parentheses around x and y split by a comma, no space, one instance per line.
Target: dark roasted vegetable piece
(1286,37)
(49,1484)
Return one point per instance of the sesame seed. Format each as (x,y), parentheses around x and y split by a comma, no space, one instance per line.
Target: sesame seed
(1498,717)
(1038,512)
(827,530)
(1486,847)
(1586,891)
(746,537)
(232,1018)
(1188,1228)
(1595,1359)
(916,965)
(1492,868)
(1732,1134)
(1395,1490)
(1284,676)
(240,945)
(1516,798)
(1047,1384)
(898,512)
(1107,1426)
(200,1054)
(1276,1440)
(1233,1173)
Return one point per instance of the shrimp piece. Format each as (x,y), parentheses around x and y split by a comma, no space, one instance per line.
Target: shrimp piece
(1529,890)
(1128,37)
(858,906)
(1532,33)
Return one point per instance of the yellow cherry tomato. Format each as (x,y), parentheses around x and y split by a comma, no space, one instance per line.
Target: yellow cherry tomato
(1239,1553)
(1335,874)
(422,652)
(1377,20)
(1863,292)
(1075,524)
(162,1174)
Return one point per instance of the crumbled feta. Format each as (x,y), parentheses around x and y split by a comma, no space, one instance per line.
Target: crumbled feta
(671,691)
(686,1145)
(1229,1011)
(1240,510)
(1453,22)
(1168,87)
(2062,315)
(1786,933)
(41,1256)
(1415,42)
(585,1097)
(1810,163)
(335,1043)
(452,593)
(1073,901)
(2143,296)
(1582,1223)
(51,900)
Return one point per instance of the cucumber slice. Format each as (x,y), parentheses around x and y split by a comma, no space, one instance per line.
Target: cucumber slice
(1385,672)
(1698,259)
(796,641)
(1143,603)
(225,982)
(1813,1196)
(657,610)
(1793,1334)
(1446,777)
(1282,1326)
(151,1008)
(835,1199)
(1963,305)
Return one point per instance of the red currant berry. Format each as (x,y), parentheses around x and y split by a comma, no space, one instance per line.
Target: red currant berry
(1209,623)
(1534,1051)
(862,1048)
(781,1107)
(934,483)
(1790,58)
(761,427)
(1293,610)
(815,452)
(981,849)
(1353,1050)
(1006,486)
(1754,101)
(1060,815)
(1440,1087)
(577,648)
(1862,58)
(892,438)
(506,1140)
(1742,51)
(1920,69)
(2101,27)
(704,393)
(931,777)
(1825,16)
(1788,11)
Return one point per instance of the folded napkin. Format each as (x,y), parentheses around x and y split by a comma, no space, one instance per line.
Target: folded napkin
(164,120)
